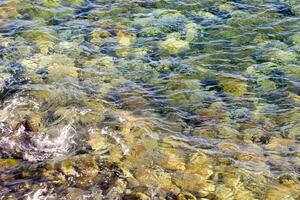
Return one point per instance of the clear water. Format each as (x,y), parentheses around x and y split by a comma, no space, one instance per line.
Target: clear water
(158,99)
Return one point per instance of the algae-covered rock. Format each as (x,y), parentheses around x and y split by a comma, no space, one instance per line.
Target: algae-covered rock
(281,192)
(194,183)
(287,179)
(59,66)
(136,195)
(67,168)
(265,85)
(88,170)
(51,3)
(226,7)
(173,159)
(9,11)
(72,49)
(45,46)
(58,72)
(186,196)
(207,15)
(294,132)
(277,55)
(293,71)
(156,178)
(242,193)
(295,39)
(224,193)
(233,86)
(39,35)
(8,163)
(97,141)
(73,2)
(225,131)
(98,34)
(195,161)
(125,38)
(4,77)
(192,31)
(174,46)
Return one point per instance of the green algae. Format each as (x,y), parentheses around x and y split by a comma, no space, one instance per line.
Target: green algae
(8,163)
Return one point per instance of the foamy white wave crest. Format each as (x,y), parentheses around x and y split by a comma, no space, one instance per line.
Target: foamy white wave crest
(53,147)
(43,193)
(40,146)
(6,111)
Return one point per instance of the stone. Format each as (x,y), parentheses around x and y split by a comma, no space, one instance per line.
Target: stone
(207,15)
(98,35)
(45,46)
(191,30)
(226,7)
(3,78)
(136,196)
(8,12)
(156,178)
(186,196)
(67,168)
(234,86)
(281,192)
(287,179)
(172,159)
(174,46)
(224,193)
(294,132)
(278,55)
(97,141)
(199,163)
(51,3)
(266,85)
(194,183)
(125,38)
(74,2)
(8,163)
(242,193)
(59,66)
(224,131)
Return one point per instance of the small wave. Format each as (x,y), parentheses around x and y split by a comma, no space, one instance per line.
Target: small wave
(39,146)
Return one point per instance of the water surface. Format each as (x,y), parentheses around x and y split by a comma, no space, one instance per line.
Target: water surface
(158,99)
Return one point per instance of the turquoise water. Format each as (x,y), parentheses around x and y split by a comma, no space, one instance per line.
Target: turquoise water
(159,99)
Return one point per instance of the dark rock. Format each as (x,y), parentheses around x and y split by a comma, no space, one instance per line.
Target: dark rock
(283,9)
(194,120)
(14,68)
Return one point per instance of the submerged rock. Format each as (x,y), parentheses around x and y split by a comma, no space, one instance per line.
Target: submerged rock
(174,46)
(186,196)
(136,195)
(8,163)
(156,178)
(97,141)
(233,86)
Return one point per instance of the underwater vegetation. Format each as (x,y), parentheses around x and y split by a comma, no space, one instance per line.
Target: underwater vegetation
(150,99)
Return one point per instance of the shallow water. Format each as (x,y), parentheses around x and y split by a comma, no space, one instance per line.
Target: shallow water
(160,99)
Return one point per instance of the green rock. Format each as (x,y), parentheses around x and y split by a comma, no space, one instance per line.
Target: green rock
(266,85)
(294,132)
(73,2)
(8,163)
(233,86)
(174,46)
(51,3)
(225,131)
